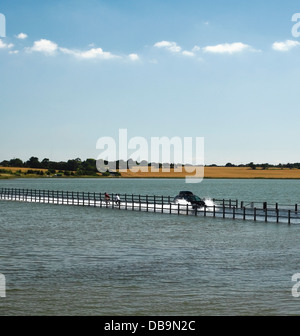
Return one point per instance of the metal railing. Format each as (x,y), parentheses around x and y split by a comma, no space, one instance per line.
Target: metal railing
(233,209)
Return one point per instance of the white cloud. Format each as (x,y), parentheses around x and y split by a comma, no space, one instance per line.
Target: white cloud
(188,53)
(5,46)
(227,48)
(50,48)
(89,54)
(176,49)
(134,57)
(44,46)
(171,46)
(22,36)
(196,48)
(285,46)
(14,52)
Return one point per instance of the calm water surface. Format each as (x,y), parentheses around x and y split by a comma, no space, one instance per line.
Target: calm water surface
(64,260)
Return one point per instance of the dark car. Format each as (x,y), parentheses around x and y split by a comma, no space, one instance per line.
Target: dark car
(189,197)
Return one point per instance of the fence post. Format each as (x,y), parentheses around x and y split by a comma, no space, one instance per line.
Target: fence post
(289,218)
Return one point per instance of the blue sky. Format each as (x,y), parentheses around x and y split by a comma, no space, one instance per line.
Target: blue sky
(74,71)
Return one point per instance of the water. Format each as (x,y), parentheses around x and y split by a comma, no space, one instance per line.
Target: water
(64,260)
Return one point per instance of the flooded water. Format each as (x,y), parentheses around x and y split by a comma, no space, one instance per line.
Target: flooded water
(71,260)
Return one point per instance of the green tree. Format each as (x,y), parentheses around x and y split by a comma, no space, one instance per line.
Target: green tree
(16,163)
(252,165)
(33,162)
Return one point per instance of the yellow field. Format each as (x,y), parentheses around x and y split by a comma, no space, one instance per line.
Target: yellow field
(23,170)
(224,172)
(209,172)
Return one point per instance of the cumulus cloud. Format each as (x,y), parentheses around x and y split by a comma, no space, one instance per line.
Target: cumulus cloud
(44,46)
(134,57)
(92,53)
(285,46)
(227,48)
(171,46)
(188,53)
(5,45)
(22,36)
(196,48)
(50,48)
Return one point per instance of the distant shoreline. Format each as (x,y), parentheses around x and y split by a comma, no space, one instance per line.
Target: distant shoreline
(209,173)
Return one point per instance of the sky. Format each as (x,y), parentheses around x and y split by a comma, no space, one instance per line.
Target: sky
(74,71)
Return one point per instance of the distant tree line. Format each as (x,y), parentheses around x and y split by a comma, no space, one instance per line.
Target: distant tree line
(70,167)
(263,165)
(89,167)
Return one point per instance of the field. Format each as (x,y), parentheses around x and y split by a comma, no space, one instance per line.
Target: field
(209,172)
(224,172)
